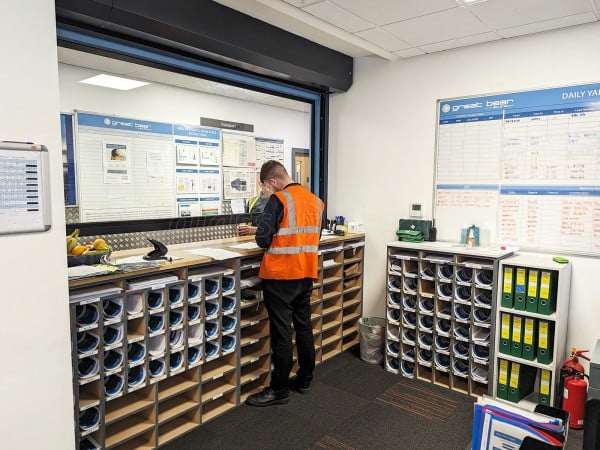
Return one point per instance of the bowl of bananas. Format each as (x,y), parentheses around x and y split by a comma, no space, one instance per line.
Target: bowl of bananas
(90,253)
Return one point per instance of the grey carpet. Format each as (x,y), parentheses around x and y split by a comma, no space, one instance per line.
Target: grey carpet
(352,405)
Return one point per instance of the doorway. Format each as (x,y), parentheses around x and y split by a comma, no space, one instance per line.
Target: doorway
(301,166)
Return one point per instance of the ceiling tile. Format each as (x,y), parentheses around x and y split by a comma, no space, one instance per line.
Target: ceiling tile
(383,12)
(338,16)
(302,3)
(511,13)
(409,52)
(383,39)
(460,42)
(547,25)
(437,27)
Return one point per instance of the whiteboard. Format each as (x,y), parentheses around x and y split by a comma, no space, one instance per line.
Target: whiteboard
(24,188)
(525,165)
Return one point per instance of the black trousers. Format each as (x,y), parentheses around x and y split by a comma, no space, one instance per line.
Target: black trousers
(287,302)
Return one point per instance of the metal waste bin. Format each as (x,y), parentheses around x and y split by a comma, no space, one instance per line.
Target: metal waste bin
(372,330)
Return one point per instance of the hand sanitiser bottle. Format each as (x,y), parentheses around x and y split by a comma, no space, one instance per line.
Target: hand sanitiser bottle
(471,238)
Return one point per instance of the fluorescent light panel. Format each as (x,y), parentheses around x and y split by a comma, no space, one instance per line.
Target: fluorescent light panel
(466,2)
(110,81)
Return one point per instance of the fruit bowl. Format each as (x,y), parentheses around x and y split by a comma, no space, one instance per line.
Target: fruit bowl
(87,259)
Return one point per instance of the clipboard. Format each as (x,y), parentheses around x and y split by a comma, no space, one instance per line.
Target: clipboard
(24,188)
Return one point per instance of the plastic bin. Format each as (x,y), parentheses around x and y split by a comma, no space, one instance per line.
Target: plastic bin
(372,331)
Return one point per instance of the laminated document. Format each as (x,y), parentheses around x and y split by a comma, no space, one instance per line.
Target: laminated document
(497,425)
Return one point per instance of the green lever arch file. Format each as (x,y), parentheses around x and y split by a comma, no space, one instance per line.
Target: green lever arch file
(545,341)
(529,338)
(520,288)
(507,287)
(533,283)
(521,381)
(516,340)
(502,388)
(547,295)
(545,387)
(505,333)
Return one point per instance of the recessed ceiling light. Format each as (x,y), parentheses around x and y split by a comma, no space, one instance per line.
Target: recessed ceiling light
(466,2)
(110,81)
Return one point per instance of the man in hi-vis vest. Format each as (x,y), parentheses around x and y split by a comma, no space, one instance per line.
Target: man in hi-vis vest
(289,231)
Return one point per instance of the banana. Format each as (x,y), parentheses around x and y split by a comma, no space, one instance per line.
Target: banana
(72,240)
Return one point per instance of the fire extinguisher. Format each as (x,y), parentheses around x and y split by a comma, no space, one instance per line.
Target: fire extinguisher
(573,388)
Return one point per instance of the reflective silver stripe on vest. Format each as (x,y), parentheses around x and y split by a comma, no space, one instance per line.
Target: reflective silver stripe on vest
(293,250)
(298,230)
(292,228)
(291,209)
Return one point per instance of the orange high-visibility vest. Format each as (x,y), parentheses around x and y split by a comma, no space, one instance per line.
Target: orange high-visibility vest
(293,253)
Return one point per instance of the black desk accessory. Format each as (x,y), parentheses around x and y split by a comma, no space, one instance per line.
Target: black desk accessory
(159,252)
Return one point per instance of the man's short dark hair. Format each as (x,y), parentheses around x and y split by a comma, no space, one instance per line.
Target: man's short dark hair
(272,169)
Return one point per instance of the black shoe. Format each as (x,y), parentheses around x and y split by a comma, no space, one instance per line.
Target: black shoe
(268,397)
(303,387)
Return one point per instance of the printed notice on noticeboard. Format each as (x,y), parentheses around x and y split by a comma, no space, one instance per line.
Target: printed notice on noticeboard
(117,162)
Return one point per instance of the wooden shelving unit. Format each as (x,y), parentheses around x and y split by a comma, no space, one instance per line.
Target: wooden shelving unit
(432,331)
(159,353)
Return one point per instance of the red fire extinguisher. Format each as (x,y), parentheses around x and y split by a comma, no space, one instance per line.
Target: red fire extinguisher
(574,388)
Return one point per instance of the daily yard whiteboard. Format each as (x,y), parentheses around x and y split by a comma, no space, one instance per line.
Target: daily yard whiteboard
(24,188)
(525,165)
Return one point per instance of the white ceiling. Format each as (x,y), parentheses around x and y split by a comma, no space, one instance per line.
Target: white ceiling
(394,29)
(102,64)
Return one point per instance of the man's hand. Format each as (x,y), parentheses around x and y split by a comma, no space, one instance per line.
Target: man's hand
(246,230)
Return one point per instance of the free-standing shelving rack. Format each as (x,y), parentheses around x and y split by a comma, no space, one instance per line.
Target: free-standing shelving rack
(439,310)
(532,329)
(157,353)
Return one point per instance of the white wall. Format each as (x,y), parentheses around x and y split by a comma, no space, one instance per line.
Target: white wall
(171,104)
(382,140)
(36,406)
